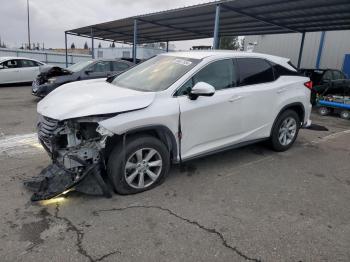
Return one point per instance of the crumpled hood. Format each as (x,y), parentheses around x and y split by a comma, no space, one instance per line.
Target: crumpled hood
(89,98)
(51,71)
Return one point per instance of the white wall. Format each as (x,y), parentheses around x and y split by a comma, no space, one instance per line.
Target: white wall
(51,58)
(120,52)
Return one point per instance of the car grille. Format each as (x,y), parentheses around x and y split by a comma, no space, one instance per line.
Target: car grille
(46,131)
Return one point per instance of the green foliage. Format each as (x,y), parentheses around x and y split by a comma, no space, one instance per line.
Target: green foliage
(229,43)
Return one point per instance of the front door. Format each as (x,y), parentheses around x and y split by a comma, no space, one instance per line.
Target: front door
(98,70)
(210,123)
(29,70)
(9,72)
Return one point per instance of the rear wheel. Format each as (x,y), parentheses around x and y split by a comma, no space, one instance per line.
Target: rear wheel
(323,111)
(285,131)
(345,114)
(141,165)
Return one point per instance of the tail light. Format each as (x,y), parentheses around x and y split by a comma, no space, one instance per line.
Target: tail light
(309,84)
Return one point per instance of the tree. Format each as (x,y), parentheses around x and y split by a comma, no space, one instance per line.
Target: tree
(99,45)
(229,43)
(86,45)
(72,46)
(242,44)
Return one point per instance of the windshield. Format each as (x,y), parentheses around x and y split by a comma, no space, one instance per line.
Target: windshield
(79,66)
(156,74)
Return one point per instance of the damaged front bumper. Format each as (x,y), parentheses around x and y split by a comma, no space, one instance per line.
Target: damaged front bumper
(76,149)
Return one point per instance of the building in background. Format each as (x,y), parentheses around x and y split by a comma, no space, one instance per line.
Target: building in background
(321,49)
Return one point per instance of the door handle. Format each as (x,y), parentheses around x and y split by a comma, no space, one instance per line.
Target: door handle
(282,90)
(235,98)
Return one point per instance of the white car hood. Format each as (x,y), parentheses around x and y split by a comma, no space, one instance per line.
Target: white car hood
(90,98)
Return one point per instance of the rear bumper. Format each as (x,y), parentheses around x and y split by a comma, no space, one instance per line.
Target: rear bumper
(307,121)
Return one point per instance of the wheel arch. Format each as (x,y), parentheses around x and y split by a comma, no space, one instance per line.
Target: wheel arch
(297,107)
(161,132)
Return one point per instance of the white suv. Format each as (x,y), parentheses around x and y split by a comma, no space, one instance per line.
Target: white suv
(171,108)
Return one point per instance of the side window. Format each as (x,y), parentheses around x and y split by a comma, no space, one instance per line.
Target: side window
(28,63)
(327,76)
(100,67)
(254,71)
(186,88)
(338,75)
(220,74)
(120,66)
(12,64)
(282,71)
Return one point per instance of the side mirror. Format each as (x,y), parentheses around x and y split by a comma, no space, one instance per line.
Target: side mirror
(201,89)
(111,78)
(88,71)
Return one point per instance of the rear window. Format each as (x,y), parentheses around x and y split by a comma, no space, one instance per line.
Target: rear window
(282,71)
(254,71)
(120,66)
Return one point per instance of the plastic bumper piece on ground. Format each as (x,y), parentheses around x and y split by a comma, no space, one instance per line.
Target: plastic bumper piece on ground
(55,180)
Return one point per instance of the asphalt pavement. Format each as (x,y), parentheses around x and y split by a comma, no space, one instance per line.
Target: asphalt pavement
(248,204)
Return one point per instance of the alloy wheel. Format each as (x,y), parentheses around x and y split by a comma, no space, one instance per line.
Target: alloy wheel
(287,131)
(143,168)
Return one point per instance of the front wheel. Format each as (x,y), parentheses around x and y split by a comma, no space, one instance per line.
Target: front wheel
(345,114)
(139,166)
(285,131)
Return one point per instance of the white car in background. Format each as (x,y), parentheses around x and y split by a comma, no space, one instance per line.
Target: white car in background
(18,70)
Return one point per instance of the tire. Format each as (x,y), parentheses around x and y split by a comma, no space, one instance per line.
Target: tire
(123,178)
(323,111)
(288,117)
(345,114)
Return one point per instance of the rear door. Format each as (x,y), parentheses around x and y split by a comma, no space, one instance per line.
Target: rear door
(9,72)
(260,96)
(29,70)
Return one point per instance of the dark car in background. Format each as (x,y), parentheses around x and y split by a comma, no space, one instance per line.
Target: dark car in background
(51,77)
(326,82)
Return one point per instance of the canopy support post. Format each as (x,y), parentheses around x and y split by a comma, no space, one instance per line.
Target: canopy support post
(134,48)
(301,49)
(217,27)
(320,50)
(66,47)
(92,44)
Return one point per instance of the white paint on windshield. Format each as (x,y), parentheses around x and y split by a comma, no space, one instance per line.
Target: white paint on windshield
(182,62)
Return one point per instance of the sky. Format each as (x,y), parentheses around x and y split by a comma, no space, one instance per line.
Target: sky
(50,18)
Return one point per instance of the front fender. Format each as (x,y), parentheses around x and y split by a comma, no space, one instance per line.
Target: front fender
(161,113)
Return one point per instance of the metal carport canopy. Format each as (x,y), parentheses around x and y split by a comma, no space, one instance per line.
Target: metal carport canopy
(231,17)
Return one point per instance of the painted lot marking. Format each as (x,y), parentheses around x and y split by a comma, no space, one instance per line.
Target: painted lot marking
(20,144)
(29,144)
(331,137)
